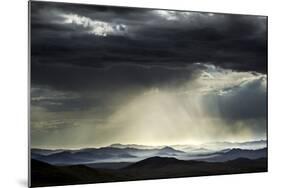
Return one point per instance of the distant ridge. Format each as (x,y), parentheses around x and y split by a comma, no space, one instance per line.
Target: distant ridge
(136,146)
(160,162)
(119,145)
(236,153)
(131,153)
(169,151)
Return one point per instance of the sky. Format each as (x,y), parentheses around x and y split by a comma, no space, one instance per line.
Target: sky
(102,75)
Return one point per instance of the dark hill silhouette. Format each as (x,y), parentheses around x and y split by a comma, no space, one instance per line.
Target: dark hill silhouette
(43,174)
(159,162)
(115,165)
(159,167)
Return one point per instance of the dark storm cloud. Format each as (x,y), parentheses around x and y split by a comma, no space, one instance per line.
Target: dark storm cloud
(45,11)
(56,101)
(230,41)
(247,102)
(73,88)
(157,45)
(110,79)
(58,105)
(244,102)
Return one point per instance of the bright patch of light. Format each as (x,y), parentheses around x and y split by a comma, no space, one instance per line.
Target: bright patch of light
(172,15)
(168,15)
(213,79)
(95,27)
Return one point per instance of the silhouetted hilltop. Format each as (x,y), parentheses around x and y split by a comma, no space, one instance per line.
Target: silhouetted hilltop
(44,174)
(159,162)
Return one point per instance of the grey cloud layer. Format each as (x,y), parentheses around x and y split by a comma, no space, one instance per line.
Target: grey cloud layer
(88,63)
(237,42)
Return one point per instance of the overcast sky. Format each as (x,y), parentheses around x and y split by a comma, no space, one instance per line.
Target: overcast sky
(103,75)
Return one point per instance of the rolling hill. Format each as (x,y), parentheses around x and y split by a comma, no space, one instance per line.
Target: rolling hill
(43,174)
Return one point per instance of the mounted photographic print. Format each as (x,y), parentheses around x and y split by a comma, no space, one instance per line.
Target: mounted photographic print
(122,93)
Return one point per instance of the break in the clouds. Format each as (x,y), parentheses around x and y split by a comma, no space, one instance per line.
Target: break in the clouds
(102,75)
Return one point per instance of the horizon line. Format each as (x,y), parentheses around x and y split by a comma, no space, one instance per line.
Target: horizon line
(124,144)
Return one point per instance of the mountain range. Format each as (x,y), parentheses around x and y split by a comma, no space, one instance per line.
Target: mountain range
(119,162)
(117,153)
(105,154)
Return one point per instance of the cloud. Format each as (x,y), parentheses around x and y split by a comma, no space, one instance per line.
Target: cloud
(248,101)
(95,27)
(131,102)
(212,79)
(169,15)
(184,16)
(112,78)
(112,73)
(230,95)
(54,100)
(142,36)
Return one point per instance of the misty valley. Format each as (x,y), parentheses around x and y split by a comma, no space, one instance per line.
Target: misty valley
(118,162)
